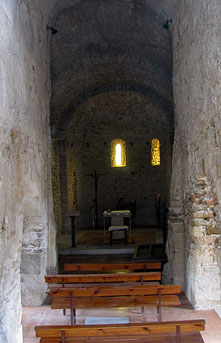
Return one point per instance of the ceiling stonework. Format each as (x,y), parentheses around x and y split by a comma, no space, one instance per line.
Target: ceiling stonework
(104,42)
(149,93)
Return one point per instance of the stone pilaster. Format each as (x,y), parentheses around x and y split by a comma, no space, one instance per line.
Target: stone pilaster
(203,272)
(174,269)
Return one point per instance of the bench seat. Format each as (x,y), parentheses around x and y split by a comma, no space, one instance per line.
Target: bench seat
(167,338)
(172,331)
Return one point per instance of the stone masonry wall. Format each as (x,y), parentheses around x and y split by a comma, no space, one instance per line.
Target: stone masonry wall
(94,125)
(174,271)
(56,182)
(203,286)
(197,89)
(25,201)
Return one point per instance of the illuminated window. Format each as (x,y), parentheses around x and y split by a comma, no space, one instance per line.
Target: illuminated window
(118,153)
(155,152)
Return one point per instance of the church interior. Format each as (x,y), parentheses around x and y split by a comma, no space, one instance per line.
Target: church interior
(110,150)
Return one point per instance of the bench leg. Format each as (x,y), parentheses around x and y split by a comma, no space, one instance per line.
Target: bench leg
(73,311)
(178,334)
(159,313)
(63,339)
(64,311)
(73,316)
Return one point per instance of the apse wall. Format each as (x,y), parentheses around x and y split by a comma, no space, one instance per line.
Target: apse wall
(111,78)
(195,216)
(128,116)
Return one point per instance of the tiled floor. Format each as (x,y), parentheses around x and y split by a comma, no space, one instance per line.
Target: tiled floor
(43,315)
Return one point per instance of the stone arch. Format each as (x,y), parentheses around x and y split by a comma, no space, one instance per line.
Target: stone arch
(149,92)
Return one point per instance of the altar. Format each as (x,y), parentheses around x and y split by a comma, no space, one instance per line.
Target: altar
(117,219)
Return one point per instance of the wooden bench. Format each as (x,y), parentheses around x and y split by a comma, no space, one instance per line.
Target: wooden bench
(113,267)
(115,296)
(83,279)
(153,332)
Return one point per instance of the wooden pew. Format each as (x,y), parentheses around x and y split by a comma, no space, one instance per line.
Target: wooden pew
(115,296)
(153,332)
(112,267)
(63,280)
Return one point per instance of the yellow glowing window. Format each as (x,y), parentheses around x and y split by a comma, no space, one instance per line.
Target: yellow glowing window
(155,152)
(118,153)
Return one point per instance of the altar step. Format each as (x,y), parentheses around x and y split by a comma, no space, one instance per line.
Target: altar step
(98,250)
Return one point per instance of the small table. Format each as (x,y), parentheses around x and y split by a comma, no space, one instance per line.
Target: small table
(120,214)
(118,228)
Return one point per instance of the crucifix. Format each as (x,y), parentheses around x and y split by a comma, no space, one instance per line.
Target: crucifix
(95,176)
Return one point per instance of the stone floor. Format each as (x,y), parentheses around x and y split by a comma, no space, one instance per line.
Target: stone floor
(43,315)
(94,237)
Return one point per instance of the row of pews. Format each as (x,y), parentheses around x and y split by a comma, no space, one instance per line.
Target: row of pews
(116,285)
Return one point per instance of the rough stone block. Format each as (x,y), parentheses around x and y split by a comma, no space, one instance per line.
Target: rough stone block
(202,222)
(197,231)
(33,289)
(202,214)
(31,264)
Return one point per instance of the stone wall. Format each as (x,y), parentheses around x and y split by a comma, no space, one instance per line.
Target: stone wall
(136,120)
(197,89)
(56,185)
(102,49)
(203,271)
(26,220)
(174,271)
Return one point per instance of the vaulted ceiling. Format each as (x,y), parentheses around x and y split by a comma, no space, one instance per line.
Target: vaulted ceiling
(104,46)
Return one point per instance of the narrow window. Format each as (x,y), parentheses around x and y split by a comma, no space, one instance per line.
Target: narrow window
(155,152)
(118,153)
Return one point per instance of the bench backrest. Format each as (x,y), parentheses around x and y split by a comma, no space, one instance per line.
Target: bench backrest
(134,329)
(124,290)
(104,267)
(103,278)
